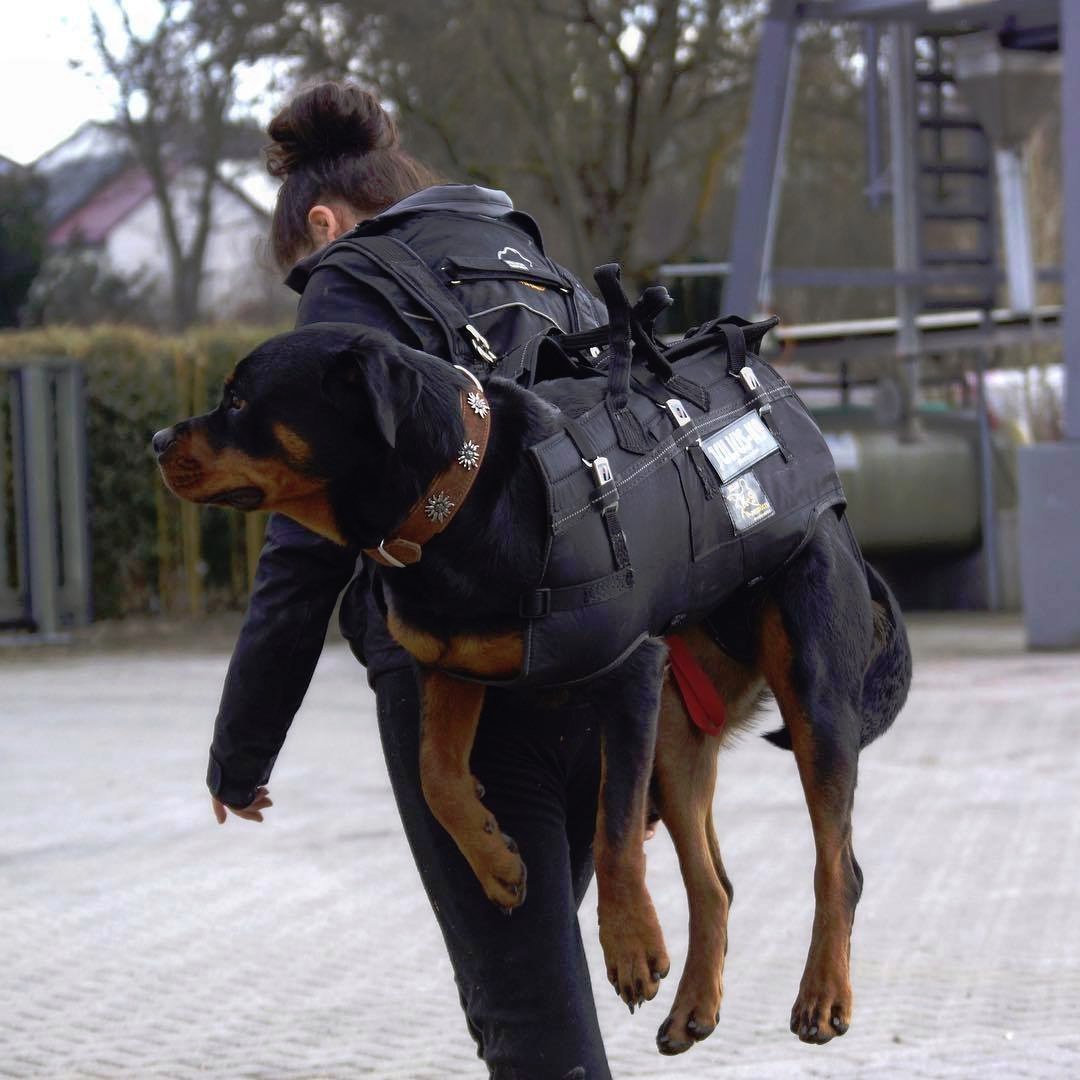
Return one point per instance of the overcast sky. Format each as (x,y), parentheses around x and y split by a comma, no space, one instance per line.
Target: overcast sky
(42,98)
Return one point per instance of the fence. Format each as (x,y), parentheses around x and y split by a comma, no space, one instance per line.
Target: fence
(44,538)
(86,526)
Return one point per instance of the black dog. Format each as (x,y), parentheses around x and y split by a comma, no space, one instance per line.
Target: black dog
(356,437)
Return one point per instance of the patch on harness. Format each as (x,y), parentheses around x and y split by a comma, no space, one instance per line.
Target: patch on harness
(746,502)
(735,448)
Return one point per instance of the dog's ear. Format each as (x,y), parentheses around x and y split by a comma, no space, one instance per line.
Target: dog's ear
(370,386)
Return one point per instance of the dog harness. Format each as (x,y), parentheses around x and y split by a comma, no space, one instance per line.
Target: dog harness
(699,473)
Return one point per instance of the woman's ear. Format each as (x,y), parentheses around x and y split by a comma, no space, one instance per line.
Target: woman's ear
(326,224)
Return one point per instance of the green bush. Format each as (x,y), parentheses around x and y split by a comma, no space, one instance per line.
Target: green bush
(150,551)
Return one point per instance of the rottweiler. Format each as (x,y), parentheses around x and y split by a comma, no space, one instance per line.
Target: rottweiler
(368,442)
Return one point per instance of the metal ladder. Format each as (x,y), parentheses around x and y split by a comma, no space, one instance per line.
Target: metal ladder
(957,236)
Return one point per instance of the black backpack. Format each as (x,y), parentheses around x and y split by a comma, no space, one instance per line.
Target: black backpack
(471,288)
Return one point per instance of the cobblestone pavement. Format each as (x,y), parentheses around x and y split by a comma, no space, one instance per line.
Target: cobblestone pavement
(138,939)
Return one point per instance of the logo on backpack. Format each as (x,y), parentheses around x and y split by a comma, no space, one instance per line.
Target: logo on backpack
(514,259)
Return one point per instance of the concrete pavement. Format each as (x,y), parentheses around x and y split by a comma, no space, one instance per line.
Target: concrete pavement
(139,939)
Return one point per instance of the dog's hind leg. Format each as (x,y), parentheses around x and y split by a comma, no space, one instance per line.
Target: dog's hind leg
(450,714)
(685,781)
(630,934)
(814,648)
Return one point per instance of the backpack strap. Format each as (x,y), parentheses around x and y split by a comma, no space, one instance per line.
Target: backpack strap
(401,263)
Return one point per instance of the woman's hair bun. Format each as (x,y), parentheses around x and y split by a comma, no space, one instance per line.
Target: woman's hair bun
(326,121)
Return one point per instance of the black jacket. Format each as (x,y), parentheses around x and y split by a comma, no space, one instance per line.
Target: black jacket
(300,575)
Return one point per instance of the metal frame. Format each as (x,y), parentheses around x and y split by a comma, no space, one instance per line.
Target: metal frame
(49,482)
(757,208)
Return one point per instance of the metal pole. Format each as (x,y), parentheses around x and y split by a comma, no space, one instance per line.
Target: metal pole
(72,472)
(10,603)
(987,500)
(1016,228)
(768,246)
(1070,154)
(903,138)
(37,454)
(872,103)
(772,74)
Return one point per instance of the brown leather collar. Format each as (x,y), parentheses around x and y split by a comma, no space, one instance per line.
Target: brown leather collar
(435,509)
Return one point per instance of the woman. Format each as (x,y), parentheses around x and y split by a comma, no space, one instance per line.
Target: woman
(523,981)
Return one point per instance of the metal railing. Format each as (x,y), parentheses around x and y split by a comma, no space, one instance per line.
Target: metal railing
(44,536)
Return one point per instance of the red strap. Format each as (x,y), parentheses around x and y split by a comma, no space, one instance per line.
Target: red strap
(703,703)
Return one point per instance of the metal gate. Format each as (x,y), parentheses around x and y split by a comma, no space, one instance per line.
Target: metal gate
(44,537)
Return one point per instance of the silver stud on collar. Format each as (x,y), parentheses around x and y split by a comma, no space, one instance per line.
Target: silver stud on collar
(478,403)
(469,455)
(438,507)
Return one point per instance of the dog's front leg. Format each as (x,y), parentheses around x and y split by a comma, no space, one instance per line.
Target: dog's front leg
(630,933)
(450,714)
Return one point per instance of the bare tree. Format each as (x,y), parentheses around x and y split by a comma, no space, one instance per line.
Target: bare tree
(177,97)
(615,118)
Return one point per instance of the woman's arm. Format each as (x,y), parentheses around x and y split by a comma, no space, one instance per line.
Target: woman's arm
(297,583)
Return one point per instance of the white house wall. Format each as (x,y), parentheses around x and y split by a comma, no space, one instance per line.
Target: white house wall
(237,278)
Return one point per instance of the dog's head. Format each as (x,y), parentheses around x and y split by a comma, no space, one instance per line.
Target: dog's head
(304,412)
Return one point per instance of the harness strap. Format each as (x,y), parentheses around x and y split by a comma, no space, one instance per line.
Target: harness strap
(606,489)
(540,602)
(704,704)
(397,259)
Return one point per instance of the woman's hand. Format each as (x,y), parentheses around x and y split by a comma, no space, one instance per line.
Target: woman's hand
(251,812)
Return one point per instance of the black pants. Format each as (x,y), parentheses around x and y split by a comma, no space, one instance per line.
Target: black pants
(523,979)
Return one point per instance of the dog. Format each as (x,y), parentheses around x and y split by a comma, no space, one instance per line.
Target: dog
(344,430)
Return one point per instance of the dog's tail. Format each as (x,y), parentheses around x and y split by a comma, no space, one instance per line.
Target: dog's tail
(888,674)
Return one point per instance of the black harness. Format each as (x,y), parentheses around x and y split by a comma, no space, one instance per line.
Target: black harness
(700,472)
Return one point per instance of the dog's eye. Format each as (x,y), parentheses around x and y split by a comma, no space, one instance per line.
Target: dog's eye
(233,402)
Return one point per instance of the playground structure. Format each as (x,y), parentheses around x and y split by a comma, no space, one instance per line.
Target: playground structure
(962,83)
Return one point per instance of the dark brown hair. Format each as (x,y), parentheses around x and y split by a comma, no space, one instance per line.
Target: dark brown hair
(335,141)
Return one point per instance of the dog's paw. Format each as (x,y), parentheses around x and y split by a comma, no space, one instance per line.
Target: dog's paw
(694,1015)
(682,1029)
(821,1011)
(502,874)
(635,954)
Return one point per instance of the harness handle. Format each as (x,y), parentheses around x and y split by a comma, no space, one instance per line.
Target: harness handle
(629,433)
(608,279)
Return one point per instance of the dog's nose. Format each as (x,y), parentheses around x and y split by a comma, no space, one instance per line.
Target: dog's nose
(163,440)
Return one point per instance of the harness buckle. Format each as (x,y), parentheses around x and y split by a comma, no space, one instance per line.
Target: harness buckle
(749,379)
(601,470)
(481,344)
(535,604)
(678,411)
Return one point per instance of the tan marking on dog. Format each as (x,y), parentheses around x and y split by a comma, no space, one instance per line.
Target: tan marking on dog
(631,938)
(450,714)
(193,470)
(684,776)
(294,444)
(482,656)
(825,989)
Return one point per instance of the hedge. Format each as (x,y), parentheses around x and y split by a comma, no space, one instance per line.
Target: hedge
(150,551)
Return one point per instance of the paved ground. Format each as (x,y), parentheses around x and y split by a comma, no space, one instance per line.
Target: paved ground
(138,939)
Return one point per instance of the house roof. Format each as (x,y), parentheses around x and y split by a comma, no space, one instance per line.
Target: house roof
(94,182)
(93,220)
(77,168)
